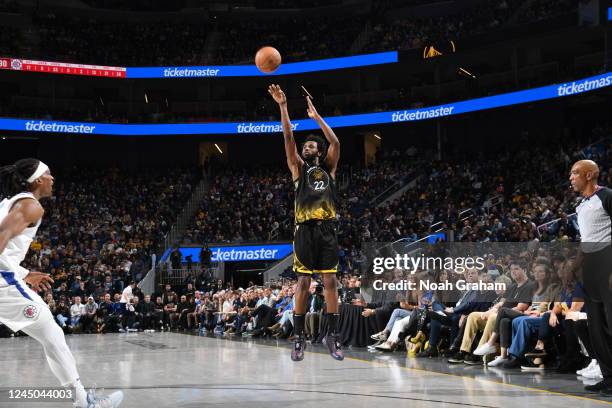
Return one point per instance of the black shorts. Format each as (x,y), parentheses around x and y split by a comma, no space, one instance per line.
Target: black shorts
(315,247)
(597,274)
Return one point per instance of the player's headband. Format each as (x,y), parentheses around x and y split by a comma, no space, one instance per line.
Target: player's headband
(40,170)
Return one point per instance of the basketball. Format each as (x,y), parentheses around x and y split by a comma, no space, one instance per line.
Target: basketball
(268,59)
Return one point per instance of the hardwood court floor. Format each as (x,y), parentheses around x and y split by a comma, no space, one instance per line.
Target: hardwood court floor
(176,370)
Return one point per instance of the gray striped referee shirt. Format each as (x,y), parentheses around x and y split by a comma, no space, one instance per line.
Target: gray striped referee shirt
(594,221)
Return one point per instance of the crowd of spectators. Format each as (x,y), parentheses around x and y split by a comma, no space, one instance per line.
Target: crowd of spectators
(242,205)
(534,318)
(296,38)
(284,4)
(249,204)
(469,198)
(69,38)
(10,6)
(10,40)
(138,5)
(545,9)
(102,226)
(410,33)
(95,259)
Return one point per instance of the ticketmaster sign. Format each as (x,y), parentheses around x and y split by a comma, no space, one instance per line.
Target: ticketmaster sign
(268,252)
(227,128)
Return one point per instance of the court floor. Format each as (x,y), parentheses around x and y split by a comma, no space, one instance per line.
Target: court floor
(177,370)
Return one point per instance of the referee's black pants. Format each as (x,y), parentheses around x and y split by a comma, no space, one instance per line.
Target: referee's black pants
(596,277)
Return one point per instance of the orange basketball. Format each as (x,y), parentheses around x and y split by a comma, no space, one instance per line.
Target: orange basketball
(268,59)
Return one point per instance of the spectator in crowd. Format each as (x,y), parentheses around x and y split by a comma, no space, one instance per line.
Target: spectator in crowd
(170,312)
(89,315)
(77,310)
(478,322)
(106,319)
(314,313)
(517,300)
(176,258)
(62,314)
(471,300)
(185,307)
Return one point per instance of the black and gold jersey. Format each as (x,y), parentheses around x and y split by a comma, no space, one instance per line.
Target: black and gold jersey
(315,195)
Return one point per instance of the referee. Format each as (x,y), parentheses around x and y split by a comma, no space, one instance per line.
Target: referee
(595,224)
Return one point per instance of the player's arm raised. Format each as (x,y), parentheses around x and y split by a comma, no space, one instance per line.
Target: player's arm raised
(294,161)
(333,152)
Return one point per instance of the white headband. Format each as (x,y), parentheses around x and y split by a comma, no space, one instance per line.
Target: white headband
(40,170)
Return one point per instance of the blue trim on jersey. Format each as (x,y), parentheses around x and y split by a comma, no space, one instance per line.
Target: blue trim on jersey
(9,277)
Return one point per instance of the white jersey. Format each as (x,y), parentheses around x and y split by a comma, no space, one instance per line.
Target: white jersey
(126,295)
(17,247)
(20,306)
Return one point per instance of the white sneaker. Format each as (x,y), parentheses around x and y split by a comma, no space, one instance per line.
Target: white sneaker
(111,401)
(373,346)
(499,360)
(587,368)
(593,374)
(485,349)
(384,347)
(381,336)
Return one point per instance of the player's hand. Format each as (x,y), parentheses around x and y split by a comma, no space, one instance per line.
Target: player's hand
(312,111)
(39,281)
(277,94)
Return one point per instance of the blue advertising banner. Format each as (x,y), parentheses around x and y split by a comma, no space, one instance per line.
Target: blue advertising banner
(237,128)
(251,70)
(265,252)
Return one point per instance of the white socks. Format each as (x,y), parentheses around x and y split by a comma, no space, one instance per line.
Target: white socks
(80,395)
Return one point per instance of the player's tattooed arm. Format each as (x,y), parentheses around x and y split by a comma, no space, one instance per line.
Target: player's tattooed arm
(294,161)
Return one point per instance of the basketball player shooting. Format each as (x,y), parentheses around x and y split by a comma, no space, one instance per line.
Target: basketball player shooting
(25,183)
(315,243)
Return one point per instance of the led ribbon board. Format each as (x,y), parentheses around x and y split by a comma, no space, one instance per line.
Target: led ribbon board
(251,70)
(197,71)
(62,68)
(239,253)
(236,128)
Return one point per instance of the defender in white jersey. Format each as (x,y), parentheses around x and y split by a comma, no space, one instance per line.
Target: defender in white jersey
(24,184)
